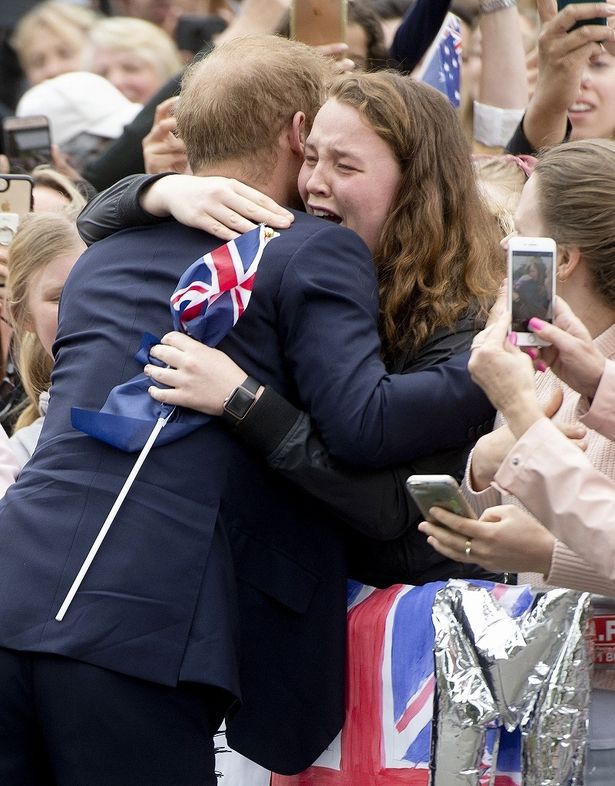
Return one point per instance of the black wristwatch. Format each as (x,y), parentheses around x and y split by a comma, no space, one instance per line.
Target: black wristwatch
(240,401)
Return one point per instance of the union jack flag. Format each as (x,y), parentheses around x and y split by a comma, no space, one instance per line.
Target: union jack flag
(386,740)
(209,298)
(441,67)
(214,291)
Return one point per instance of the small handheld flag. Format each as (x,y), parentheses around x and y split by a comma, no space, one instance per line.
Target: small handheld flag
(441,66)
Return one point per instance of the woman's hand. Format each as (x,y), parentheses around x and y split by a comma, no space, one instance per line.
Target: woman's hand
(221,206)
(492,449)
(572,355)
(505,538)
(342,64)
(198,376)
(506,375)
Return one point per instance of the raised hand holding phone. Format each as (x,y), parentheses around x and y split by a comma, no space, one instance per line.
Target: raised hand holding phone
(561,4)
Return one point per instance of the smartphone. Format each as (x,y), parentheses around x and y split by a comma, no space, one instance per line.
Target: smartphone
(26,142)
(531,285)
(193,31)
(440,490)
(563,3)
(16,194)
(318,22)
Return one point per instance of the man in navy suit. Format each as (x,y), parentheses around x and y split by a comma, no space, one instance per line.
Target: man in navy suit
(220,588)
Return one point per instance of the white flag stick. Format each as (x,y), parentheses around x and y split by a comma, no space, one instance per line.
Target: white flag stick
(160,424)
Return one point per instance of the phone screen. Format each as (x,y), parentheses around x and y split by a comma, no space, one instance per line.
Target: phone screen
(27,147)
(532,287)
(428,492)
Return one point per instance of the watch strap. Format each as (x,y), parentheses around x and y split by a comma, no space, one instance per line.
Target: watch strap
(240,401)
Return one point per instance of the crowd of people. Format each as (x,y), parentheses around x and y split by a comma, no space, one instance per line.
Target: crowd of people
(368,340)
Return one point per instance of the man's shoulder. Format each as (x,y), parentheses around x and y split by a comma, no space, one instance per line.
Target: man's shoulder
(305,226)
(317,239)
(165,247)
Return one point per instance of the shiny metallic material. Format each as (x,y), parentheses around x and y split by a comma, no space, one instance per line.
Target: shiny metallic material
(494,670)
(468,548)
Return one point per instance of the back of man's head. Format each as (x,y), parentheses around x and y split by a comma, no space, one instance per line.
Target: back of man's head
(235,103)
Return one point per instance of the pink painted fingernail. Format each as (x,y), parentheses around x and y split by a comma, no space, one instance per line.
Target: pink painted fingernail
(533,353)
(536,324)
(540,366)
(512,339)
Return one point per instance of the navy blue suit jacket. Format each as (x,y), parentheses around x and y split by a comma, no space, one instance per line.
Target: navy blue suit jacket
(216,570)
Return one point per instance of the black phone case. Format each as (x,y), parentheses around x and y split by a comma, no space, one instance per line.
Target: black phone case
(563,3)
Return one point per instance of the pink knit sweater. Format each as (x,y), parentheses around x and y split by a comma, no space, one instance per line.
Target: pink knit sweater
(567,569)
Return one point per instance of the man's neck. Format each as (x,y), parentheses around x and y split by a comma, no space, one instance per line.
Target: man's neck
(274,185)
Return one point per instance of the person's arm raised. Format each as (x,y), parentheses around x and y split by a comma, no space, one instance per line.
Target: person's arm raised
(562,55)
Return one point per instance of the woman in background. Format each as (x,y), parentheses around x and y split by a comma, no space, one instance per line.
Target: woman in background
(137,57)
(42,254)
(564,199)
(51,40)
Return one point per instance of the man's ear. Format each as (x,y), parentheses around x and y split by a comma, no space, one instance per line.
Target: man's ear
(297,134)
(568,258)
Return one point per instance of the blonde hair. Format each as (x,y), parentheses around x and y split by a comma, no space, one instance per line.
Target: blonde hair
(40,238)
(70,23)
(140,38)
(48,177)
(500,180)
(576,189)
(240,97)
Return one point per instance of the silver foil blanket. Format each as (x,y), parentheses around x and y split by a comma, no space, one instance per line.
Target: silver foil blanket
(497,670)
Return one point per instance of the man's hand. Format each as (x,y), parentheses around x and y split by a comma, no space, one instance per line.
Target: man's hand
(197,376)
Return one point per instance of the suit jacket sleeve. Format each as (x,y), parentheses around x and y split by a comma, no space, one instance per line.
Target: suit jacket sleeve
(374,502)
(328,307)
(417,31)
(558,484)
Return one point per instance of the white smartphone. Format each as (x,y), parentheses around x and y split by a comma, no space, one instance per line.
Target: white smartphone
(531,285)
(440,490)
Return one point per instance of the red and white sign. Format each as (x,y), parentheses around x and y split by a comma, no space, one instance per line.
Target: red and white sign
(602,633)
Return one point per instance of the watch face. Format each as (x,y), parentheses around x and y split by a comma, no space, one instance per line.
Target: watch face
(239,403)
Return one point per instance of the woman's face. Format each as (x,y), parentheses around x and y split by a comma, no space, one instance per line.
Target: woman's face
(350,174)
(593,113)
(133,76)
(44,295)
(48,55)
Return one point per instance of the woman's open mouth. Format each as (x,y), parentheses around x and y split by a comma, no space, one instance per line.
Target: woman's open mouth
(326,214)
